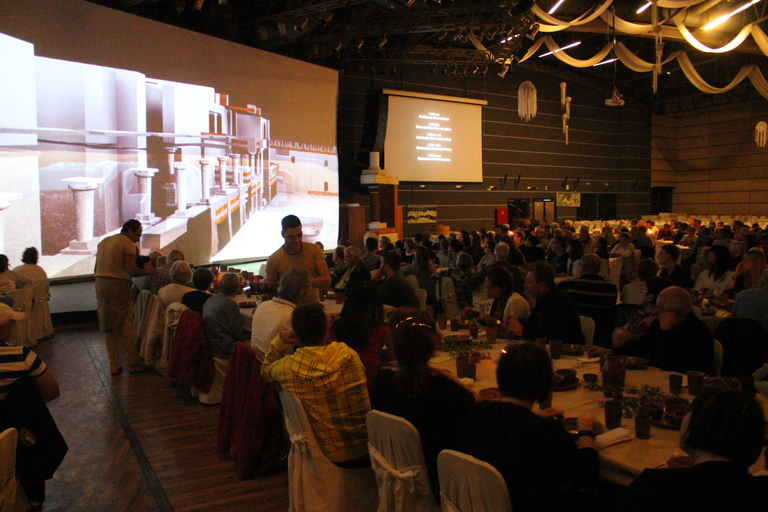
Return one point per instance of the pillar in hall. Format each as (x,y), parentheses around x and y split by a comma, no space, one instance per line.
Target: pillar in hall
(222,174)
(374,203)
(83,198)
(144,177)
(205,173)
(180,171)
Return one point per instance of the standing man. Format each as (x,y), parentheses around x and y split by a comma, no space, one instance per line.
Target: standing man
(296,253)
(115,266)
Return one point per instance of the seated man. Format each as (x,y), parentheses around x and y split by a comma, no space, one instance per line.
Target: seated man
(554,317)
(594,296)
(274,316)
(329,382)
(668,256)
(677,341)
(355,271)
(395,290)
(24,409)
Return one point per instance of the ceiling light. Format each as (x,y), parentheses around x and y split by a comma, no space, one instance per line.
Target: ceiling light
(726,17)
(199,4)
(643,8)
(604,62)
(577,43)
(554,7)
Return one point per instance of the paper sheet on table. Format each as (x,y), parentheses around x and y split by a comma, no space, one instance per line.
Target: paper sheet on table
(440,359)
(587,360)
(615,436)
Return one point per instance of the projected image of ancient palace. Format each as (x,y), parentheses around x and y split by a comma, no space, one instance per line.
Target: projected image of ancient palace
(84,148)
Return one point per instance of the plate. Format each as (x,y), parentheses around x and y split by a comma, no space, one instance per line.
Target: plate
(570,349)
(247,304)
(571,426)
(490,394)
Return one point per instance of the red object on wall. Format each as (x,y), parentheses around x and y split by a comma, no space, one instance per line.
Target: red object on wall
(502,216)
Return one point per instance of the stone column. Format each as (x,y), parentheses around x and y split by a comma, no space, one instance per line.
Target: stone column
(235,169)
(222,174)
(205,172)
(171,159)
(180,170)
(144,177)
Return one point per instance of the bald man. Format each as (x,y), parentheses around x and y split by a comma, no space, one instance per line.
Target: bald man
(678,341)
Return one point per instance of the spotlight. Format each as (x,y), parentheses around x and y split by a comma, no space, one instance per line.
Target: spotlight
(301,25)
(326,18)
(382,41)
(504,71)
(281,28)
(263,33)
(359,44)
(464,71)
(199,5)
(484,72)
(455,70)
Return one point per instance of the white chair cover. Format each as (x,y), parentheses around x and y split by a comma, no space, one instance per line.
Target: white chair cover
(398,460)
(421,294)
(172,316)
(718,357)
(413,281)
(40,315)
(470,485)
(23,333)
(587,329)
(314,482)
(12,496)
(446,293)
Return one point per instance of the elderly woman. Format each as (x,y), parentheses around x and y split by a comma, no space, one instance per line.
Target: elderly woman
(10,280)
(535,455)
(434,402)
(626,251)
(30,268)
(723,434)
(222,317)
(181,275)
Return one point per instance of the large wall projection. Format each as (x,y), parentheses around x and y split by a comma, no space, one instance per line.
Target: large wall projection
(433,138)
(106,117)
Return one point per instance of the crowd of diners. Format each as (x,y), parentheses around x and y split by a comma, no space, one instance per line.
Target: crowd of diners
(533,280)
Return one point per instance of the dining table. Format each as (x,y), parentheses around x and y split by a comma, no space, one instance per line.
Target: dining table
(248,306)
(621,462)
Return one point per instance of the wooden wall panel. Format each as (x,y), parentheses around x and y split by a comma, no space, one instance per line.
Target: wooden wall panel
(607,145)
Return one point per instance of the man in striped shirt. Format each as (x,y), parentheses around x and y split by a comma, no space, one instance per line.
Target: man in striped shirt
(329,382)
(17,362)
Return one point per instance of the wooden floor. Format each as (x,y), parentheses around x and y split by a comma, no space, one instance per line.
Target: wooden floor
(136,443)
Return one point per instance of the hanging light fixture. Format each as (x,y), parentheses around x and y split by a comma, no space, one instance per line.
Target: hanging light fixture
(577,43)
(556,6)
(642,9)
(726,17)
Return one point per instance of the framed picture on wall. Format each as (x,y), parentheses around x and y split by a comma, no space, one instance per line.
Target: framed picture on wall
(421,214)
(569,199)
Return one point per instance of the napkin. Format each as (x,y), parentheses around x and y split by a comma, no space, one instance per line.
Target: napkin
(615,436)
(587,360)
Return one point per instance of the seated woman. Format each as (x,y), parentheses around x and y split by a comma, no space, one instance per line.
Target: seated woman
(748,272)
(717,277)
(361,326)
(181,275)
(422,268)
(221,313)
(505,287)
(10,280)
(626,251)
(537,458)
(202,278)
(639,322)
(723,433)
(433,401)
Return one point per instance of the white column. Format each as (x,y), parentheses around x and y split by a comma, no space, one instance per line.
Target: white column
(144,177)
(222,174)
(205,172)
(235,169)
(180,170)
(82,194)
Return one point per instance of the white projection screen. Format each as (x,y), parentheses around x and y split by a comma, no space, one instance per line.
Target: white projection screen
(433,138)
(106,117)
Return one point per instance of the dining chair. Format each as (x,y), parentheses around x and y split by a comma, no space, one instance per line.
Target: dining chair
(587,329)
(470,485)
(398,461)
(445,291)
(314,482)
(413,281)
(12,495)
(421,294)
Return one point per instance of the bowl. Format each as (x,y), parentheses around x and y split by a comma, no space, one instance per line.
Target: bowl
(653,409)
(590,377)
(569,349)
